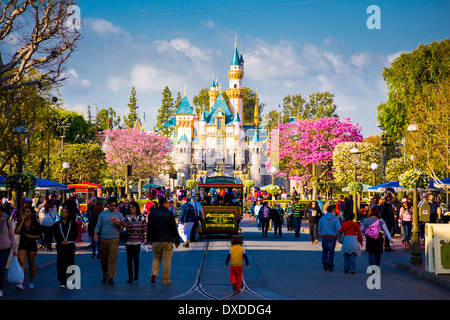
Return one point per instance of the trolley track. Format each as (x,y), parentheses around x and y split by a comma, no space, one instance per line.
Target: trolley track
(199,287)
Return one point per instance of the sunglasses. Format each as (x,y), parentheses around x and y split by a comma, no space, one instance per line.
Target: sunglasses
(114,205)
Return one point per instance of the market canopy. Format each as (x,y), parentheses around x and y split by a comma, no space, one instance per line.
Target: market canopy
(151,185)
(85,185)
(45,184)
(438,185)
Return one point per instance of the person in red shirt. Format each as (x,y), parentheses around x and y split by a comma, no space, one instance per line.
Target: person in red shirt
(353,240)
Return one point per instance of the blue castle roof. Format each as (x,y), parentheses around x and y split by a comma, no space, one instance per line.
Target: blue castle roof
(185,107)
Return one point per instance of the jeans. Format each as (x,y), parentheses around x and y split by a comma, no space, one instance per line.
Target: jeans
(407,226)
(350,262)
(374,259)
(297,225)
(328,246)
(94,246)
(133,251)
(265,225)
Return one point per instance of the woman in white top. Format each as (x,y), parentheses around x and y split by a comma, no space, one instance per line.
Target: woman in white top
(47,218)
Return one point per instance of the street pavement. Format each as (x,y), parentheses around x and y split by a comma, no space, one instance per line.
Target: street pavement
(281,268)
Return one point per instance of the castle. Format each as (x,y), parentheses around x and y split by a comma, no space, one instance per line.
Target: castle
(218,139)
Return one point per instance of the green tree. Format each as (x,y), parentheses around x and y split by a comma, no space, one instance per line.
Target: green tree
(87,162)
(271,120)
(318,105)
(166,113)
(107,119)
(201,101)
(409,76)
(130,120)
(249,106)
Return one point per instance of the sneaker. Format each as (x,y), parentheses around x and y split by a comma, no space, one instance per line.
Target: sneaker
(1,293)
(168,284)
(104,280)
(153,278)
(62,286)
(31,286)
(19,286)
(111,282)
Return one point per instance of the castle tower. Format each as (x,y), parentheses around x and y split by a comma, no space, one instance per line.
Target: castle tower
(235,92)
(213,93)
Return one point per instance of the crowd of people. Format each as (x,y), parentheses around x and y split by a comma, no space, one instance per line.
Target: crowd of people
(166,220)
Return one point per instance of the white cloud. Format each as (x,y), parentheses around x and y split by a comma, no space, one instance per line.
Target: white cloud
(104,27)
(360,60)
(209,24)
(183,46)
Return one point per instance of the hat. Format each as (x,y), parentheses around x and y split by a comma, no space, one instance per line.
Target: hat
(184,199)
(278,204)
(404,200)
(194,196)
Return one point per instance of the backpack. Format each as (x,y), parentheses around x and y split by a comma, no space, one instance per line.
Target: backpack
(373,230)
(189,214)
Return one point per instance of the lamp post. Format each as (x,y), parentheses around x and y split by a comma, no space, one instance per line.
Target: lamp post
(416,252)
(66,167)
(355,156)
(273,170)
(20,133)
(182,178)
(374,168)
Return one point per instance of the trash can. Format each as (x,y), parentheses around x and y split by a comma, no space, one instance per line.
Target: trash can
(437,248)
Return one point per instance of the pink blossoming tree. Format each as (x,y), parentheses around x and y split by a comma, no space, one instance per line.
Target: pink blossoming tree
(303,143)
(148,153)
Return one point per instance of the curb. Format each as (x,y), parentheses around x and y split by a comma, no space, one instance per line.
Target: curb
(425,275)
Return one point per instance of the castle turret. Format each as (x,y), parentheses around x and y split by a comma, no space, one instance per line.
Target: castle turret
(235,92)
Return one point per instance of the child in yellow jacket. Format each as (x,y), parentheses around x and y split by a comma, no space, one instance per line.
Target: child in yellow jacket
(236,257)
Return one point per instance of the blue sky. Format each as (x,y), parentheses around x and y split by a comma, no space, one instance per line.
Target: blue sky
(289,47)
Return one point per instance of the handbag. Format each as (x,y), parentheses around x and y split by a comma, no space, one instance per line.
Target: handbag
(124,236)
(15,273)
(373,230)
(144,248)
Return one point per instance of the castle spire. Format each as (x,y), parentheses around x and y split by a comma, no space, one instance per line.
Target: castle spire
(256,112)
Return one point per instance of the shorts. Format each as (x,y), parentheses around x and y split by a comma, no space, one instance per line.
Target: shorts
(28,245)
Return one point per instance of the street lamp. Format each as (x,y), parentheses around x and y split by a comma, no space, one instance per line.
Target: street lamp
(355,156)
(273,170)
(374,168)
(20,133)
(416,252)
(182,178)
(66,167)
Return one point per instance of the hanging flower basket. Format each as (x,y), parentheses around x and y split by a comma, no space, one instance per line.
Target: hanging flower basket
(248,183)
(355,187)
(191,184)
(414,179)
(21,181)
(273,189)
